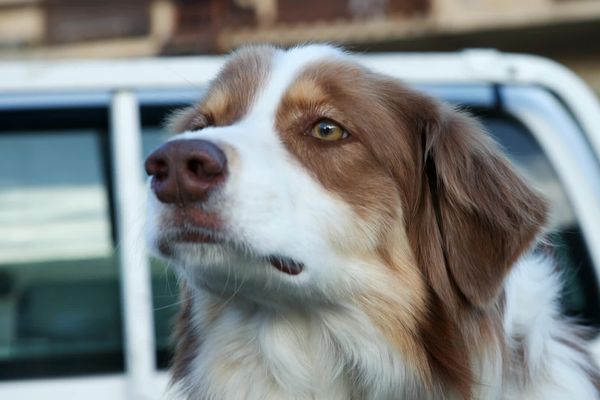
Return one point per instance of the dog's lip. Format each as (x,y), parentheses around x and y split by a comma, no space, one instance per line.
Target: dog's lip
(189,225)
(193,237)
(286,265)
(194,225)
(193,217)
(185,236)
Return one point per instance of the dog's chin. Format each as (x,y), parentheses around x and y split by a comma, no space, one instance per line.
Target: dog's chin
(231,273)
(205,251)
(194,237)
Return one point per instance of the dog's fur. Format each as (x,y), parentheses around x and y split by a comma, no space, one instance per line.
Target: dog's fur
(415,233)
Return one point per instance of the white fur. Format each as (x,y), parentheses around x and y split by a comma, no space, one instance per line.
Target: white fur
(555,371)
(301,337)
(257,353)
(296,355)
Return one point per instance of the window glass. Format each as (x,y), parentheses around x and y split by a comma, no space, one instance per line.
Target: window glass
(59,292)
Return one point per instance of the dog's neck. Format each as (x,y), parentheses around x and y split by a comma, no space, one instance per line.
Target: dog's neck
(290,354)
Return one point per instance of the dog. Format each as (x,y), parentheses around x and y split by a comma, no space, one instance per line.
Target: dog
(339,235)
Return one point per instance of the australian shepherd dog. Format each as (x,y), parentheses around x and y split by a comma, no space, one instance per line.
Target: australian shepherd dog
(339,235)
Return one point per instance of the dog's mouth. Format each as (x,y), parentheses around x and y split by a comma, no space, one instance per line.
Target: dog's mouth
(193,218)
(194,237)
(198,227)
(189,225)
(286,265)
(166,242)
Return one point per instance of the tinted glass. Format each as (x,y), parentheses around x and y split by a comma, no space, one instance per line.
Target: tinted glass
(59,292)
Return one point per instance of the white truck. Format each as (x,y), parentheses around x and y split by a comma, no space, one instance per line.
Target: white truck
(84,314)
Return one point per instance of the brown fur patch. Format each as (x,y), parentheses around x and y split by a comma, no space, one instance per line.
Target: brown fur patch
(346,168)
(376,171)
(395,300)
(465,229)
(185,337)
(489,215)
(230,94)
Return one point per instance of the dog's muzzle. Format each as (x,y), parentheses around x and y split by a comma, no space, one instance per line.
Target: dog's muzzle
(183,174)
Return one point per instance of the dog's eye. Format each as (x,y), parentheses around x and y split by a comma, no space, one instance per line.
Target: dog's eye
(328,130)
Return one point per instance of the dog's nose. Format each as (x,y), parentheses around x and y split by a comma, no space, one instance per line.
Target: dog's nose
(185,170)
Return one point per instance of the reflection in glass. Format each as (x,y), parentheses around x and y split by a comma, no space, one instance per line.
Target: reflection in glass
(59,296)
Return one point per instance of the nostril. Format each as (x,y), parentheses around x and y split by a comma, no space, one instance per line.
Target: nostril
(157,166)
(196,167)
(205,162)
(160,169)
(202,168)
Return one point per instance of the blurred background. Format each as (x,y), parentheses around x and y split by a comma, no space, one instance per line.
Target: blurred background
(565,30)
(62,246)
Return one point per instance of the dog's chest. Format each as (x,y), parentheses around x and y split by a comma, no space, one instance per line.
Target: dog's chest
(326,355)
(268,356)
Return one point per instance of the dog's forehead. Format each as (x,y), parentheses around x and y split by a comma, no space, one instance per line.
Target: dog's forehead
(285,68)
(254,80)
(235,88)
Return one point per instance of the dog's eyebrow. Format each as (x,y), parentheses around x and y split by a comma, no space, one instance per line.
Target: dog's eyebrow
(233,91)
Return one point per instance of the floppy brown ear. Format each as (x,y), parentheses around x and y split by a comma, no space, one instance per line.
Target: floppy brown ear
(475,215)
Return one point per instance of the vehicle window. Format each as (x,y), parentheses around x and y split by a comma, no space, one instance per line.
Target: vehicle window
(60,307)
(580,294)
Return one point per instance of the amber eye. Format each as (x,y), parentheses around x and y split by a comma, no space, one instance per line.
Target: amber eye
(328,130)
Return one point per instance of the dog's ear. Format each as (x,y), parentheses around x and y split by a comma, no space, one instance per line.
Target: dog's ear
(474,215)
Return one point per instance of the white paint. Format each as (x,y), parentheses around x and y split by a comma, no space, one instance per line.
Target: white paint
(103,387)
(134,267)
(113,387)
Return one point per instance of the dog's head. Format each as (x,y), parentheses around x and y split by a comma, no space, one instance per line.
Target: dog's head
(303,177)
